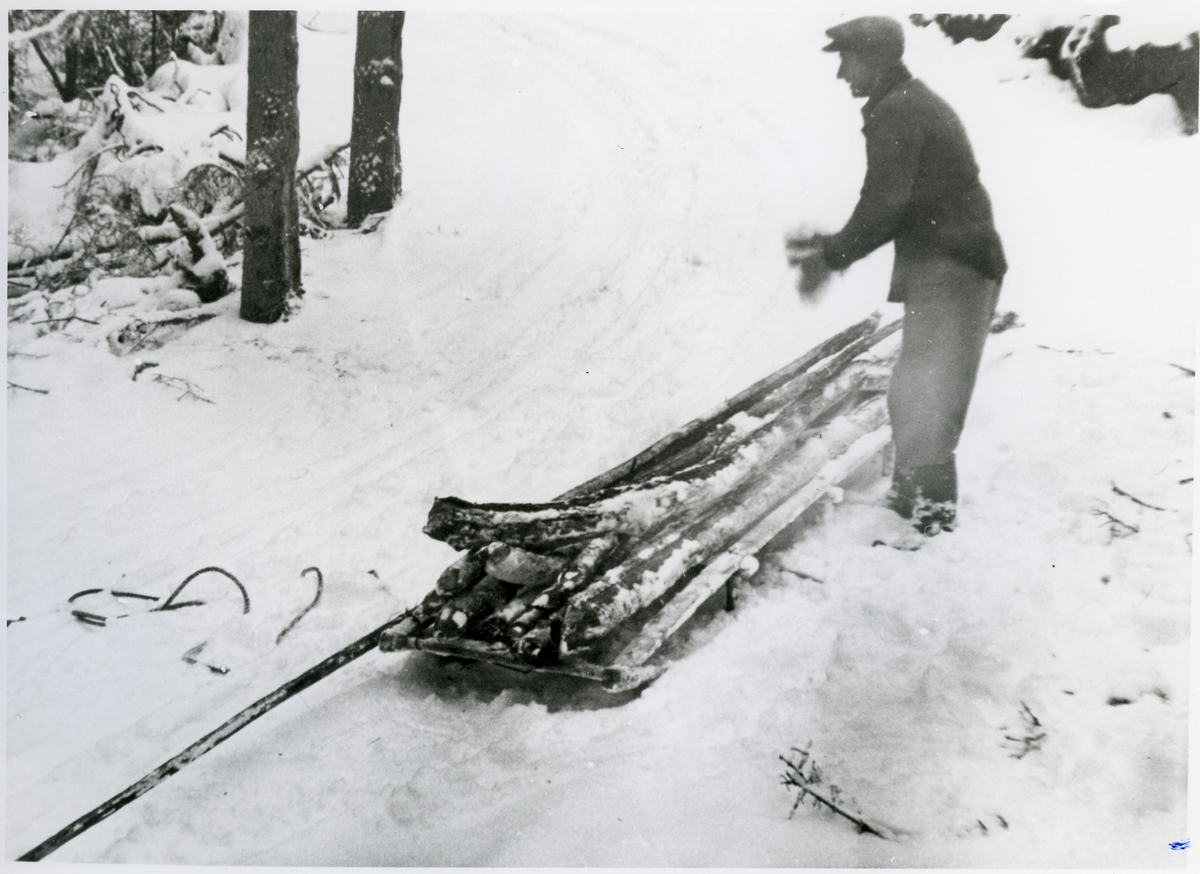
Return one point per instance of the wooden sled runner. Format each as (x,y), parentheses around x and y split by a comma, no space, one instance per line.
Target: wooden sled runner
(594,583)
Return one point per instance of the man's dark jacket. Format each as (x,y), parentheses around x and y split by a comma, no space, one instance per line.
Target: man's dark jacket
(922,188)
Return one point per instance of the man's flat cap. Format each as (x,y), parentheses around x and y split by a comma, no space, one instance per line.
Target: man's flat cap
(873,35)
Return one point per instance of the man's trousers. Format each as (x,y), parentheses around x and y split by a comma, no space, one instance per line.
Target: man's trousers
(948,310)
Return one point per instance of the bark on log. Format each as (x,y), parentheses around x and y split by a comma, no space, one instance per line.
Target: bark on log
(488,594)
(521,567)
(637,582)
(630,469)
(463,574)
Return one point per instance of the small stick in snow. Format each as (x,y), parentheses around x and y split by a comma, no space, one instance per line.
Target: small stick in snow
(1186,370)
(1116,528)
(304,612)
(40,391)
(170,604)
(795,776)
(1138,501)
(64,319)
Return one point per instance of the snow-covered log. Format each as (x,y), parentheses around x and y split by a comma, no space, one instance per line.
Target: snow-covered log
(487,595)
(640,509)
(533,605)
(202,263)
(464,573)
(630,469)
(638,581)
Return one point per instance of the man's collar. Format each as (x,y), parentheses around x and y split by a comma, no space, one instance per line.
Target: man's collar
(895,75)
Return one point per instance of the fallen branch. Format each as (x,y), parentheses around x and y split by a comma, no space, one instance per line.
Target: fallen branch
(64,319)
(1186,370)
(1137,501)
(796,777)
(177,382)
(212,224)
(1116,527)
(318,159)
(170,604)
(40,391)
(206,267)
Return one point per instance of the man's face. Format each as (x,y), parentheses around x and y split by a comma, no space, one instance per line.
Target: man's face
(857,72)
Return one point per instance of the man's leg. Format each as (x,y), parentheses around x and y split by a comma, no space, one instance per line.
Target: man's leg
(947,313)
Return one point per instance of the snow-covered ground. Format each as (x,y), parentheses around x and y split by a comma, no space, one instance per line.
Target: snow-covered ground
(588,253)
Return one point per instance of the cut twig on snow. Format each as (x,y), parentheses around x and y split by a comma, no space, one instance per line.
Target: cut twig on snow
(1186,370)
(40,391)
(189,390)
(1137,501)
(1116,527)
(803,775)
(1031,741)
(1073,351)
(139,366)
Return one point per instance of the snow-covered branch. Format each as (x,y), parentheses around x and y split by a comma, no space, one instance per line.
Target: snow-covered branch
(21,37)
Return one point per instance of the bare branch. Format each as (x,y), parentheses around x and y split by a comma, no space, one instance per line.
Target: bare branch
(20,37)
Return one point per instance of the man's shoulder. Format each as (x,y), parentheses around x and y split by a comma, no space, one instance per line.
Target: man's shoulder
(908,103)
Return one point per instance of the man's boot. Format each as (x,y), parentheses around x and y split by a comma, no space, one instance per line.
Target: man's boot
(902,496)
(936,499)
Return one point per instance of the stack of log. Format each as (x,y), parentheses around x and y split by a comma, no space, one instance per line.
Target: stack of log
(538,583)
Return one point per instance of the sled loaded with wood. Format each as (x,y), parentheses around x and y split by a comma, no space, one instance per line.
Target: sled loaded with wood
(596,581)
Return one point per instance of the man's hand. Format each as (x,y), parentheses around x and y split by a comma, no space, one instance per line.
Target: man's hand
(807,251)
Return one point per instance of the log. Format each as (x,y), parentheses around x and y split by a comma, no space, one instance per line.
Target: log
(521,567)
(636,510)
(463,574)
(454,618)
(682,436)
(738,559)
(745,426)
(525,611)
(636,582)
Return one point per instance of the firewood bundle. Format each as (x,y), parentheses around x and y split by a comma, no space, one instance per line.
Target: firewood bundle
(537,584)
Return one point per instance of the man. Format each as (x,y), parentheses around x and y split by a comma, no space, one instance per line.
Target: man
(922,192)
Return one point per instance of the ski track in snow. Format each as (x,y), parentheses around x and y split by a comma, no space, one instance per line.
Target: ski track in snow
(585,256)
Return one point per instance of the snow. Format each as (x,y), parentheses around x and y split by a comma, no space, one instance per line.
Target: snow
(588,253)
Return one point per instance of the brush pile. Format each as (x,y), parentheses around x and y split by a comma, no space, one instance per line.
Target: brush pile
(593,582)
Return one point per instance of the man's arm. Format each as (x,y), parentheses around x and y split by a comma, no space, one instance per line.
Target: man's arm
(894,141)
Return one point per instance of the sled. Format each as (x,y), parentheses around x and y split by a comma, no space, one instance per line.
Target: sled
(820,419)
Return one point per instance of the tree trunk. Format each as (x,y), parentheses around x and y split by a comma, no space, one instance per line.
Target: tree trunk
(375,126)
(272,258)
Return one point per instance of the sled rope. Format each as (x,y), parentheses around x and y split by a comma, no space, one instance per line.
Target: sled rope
(199,748)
